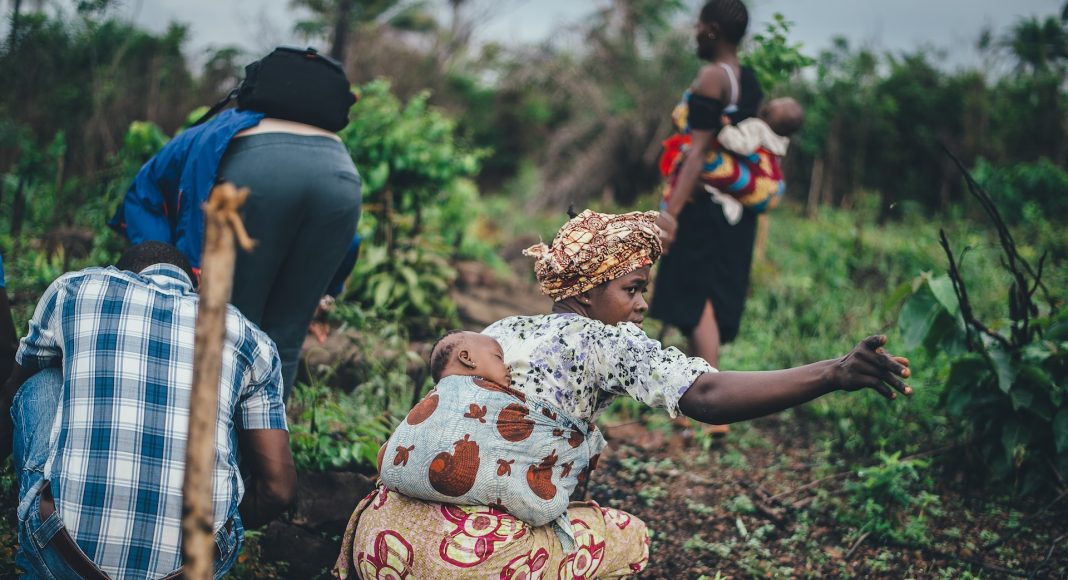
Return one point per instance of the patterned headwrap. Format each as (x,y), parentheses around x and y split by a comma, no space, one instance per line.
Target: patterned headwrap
(594,248)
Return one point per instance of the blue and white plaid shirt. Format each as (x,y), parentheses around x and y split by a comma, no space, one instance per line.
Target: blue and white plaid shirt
(117,445)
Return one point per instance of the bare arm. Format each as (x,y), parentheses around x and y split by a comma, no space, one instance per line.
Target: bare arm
(727,397)
(711,82)
(271,486)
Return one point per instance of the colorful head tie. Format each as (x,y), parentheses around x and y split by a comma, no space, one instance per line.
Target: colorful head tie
(594,248)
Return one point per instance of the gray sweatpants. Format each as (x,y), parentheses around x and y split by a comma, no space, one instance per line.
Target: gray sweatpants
(302,211)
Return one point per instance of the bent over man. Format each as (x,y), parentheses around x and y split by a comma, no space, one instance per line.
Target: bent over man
(100,429)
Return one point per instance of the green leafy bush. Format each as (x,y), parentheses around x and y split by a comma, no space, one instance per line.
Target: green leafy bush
(410,156)
(1007,380)
(418,206)
(1012,400)
(334,431)
(33,265)
(411,285)
(1026,191)
(889,500)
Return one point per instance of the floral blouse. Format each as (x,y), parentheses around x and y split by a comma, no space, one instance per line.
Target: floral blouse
(581,364)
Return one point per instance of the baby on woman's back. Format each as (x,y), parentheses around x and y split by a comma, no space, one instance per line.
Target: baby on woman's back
(463,353)
(474,440)
(770,129)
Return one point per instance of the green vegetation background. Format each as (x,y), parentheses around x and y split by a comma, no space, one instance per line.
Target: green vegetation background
(468,152)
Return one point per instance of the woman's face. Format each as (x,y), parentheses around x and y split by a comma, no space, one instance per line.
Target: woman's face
(622,299)
(704,33)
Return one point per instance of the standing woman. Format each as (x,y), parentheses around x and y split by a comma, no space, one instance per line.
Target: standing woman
(703,280)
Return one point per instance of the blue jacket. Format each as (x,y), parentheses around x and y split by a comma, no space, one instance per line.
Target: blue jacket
(164,202)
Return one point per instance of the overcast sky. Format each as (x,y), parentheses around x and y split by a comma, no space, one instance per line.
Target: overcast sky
(896,25)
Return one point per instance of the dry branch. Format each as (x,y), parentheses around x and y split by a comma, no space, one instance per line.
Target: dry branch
(962,298)
(860,540)
(222,225)
(1049,554)
(1020,269)
(810,485)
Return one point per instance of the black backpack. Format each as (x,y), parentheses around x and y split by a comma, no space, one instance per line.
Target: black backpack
(295,85)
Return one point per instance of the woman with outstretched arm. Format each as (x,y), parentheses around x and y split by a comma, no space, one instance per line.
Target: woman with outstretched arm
(568,366)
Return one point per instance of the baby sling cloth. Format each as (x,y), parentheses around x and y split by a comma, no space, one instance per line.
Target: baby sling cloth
(473,442)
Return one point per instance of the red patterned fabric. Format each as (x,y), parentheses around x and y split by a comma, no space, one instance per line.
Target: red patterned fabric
(391,536)
(755,180)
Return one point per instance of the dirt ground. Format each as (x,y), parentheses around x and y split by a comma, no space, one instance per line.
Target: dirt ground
(757,504)
(754,504)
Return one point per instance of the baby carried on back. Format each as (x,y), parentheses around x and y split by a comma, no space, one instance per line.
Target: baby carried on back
(473,440)
(741,168)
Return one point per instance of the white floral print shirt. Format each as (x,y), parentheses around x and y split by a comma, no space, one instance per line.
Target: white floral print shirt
(581,364)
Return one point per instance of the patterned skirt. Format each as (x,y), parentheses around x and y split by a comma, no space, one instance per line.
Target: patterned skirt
(391,536)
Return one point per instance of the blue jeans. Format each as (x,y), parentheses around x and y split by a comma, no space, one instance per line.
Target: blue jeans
(33,412)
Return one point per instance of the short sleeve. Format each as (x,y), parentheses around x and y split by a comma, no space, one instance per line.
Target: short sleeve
(630,363)
(260,405)
(41,347)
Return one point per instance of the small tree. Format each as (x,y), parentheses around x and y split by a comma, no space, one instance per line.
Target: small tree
(413,167)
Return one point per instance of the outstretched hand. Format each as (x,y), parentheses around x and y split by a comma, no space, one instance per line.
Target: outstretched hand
(870,366)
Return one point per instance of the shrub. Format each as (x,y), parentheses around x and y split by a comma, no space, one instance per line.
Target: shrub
(888,500)
(772,57)
(411,285)
(1007,380)
(418,206)
(412,160)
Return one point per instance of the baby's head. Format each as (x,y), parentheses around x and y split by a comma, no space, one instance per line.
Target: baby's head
(784,115)
(469,354)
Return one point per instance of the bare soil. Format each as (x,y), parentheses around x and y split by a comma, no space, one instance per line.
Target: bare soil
(759,503)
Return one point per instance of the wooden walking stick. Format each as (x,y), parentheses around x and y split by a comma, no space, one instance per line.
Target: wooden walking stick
(221,225)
